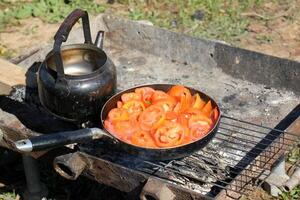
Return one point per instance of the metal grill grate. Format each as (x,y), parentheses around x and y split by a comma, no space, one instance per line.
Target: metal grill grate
(233,161)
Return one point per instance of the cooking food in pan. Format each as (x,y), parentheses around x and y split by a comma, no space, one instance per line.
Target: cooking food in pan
(156,119)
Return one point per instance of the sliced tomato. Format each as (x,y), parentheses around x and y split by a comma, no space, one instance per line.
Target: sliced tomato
(118,114)
(198,103)
(183,119)
(143,139)
(169,134)
(199,131)
(171,115)
(125,129)
(131,96)
(193,111)
(146,94)
(119,104)
(151,118)
(182,95)
(214,114)
(199,120)
(178,90)
(167,104)
(158,95)
(134,108)
(207,108)
(108,125)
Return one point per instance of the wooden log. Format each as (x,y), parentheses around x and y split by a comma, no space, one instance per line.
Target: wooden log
(10,75)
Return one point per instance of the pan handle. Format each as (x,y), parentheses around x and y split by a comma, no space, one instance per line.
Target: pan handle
(49,141)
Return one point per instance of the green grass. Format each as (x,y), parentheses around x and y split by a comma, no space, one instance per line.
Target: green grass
(292,195)
(50,11)
(292,157)
(9,196)
(221,20)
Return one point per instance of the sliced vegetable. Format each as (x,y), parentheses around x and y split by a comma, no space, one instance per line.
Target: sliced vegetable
(142,138)
(168,135)
(151,118)
(199,131)
(118,114)
(207,108)
(167,104)
(119,104)
(199,120)
(198,103)
(158,95)
(131,96)
(146,93)
(125,129)
(214,114)
(134,108)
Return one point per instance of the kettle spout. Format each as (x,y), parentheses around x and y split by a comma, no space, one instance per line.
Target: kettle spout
(99,39)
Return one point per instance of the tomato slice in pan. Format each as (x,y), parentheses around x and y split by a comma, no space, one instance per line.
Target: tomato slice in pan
(199,131)
(183,119)
(158,95)
(143,139)
(125,129)
(214,114)
(146,94)
(167,104)
(119,104)
(178,90)
(118,114)
(207,108)
(134,108)
(108,125)
(151,118)
(169,134)
(183,96)
(171,115)
(199,120)
(198,103)
(131,96)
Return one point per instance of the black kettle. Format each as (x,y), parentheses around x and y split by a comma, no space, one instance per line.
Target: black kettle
(74,81)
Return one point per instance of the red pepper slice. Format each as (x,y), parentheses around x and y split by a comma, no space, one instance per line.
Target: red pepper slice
(207,108)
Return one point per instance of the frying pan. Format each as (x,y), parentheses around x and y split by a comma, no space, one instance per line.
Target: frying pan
(48,141)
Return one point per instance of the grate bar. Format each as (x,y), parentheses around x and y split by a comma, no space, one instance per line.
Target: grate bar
(246,140)
(253,136)
(240,149)
(261,133)
(261,126)
(192,177)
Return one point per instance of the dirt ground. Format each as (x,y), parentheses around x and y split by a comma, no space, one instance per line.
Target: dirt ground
(278,35)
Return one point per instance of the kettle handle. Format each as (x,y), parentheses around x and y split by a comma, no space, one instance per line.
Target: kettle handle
(62,36)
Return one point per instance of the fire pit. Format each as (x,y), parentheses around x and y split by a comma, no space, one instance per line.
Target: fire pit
(255,92)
